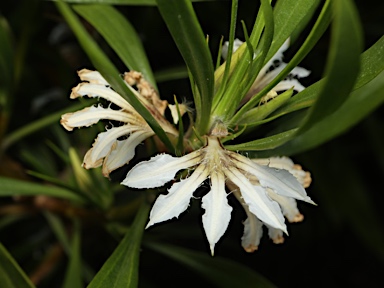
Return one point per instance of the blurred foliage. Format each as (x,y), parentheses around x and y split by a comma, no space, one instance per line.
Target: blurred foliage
(62,242)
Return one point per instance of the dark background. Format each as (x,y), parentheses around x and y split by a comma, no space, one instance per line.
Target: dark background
(339,244)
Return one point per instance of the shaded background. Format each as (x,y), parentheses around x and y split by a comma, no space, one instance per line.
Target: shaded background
(339,244)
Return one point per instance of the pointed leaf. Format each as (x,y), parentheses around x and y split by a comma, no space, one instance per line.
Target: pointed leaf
(219,271)
(342,63)
(185,29)
(361,103)
(122,2)
(120,35)
(122,267)
(109,71)
(11,275)
(289,16)
(73,277)
(14,187)
(264,143)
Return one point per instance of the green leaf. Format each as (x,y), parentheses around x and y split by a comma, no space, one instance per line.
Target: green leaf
(120,35)
(342,64)
(39,124)
(266,143)
(122,267)
(185,29)
(246,72)
(315,34)
(255,115)
(109,71)
(361,103)
(6,64)
(219,271)
(14,187)
(122,2)
(59,230)
(73,274)
(174,73)
(372,63)
(11,275)
(289,16)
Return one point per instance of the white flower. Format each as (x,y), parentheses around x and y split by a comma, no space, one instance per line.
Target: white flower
(259,188)
(270,70)
(115,147)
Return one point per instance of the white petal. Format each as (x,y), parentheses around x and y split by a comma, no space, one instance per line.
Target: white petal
(288,84)
(236,44)
(92,77)
(103,145)
(300,72)
(279,180)
(276,235)
(253,230)
(277,57)
(257,200)
(282,182)
(124,151)
(288,205)
(177,200)
(91,115)
(217,211)
(253,227)
(175,115)
(94,90)
(159,170)
(287,164)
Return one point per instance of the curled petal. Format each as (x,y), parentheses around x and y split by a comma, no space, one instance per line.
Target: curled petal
(276,235)
(288,84)
(91,115)
(287,164)
(177,200)
(224,50)
(253,230)
(300,72)
(159,170)
(124,151)
(217,211)
(257,200)
(94,90)
(288,205)
(93,77)
(103,145)
(279,180)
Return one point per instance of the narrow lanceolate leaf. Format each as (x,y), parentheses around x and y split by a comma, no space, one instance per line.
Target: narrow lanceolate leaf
(73,278)
(219,271)
(109,71)
(372,63)
(6,65)
(342,63)
(264,143)
(122,2)
(120,35)
(185,29)
(121,270)
(11,275)
(13,187)
(361,103)
(289,16)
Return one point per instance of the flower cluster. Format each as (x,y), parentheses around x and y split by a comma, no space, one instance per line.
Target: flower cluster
(107,150)
(266,188)
(265,191)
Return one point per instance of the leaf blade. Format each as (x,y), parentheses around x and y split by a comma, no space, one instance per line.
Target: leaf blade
(121,268)
(185,29)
